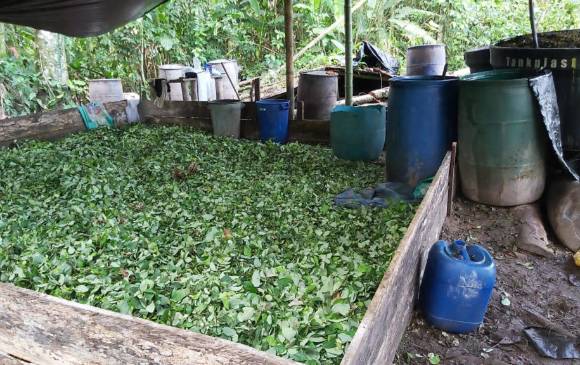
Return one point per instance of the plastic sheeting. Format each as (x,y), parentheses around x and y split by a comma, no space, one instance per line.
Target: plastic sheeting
(77,18)
(545,92)
(375,57)
(553,345)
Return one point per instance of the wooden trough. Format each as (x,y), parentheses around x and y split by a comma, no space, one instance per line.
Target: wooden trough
(41,329)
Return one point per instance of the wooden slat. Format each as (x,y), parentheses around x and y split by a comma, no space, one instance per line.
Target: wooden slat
(389,313)
(186,109)
(53,124)
(46,330)
(196,115)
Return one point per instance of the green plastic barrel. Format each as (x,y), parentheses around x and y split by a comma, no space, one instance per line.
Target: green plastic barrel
(501,144)
(357,133)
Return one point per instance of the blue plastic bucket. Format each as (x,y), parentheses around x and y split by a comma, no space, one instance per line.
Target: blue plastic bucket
(273,119)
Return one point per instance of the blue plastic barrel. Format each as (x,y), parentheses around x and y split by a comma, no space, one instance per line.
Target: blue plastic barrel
(457,286)
(421,124)
(357,133)
(273,119)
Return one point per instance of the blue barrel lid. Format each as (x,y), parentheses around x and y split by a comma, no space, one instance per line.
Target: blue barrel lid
(422,80)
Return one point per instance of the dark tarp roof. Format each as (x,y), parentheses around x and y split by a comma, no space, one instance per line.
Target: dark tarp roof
(78,18)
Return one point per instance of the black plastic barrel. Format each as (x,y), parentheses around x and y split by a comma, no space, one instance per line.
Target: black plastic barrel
(560,52)
(421,123)
(478,59)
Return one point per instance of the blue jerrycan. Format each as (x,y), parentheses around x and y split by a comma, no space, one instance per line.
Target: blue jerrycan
(457,286)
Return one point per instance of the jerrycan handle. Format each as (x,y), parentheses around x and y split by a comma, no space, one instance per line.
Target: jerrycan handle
(458,247)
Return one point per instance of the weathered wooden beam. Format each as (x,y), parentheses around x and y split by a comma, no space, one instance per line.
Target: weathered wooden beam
(52,124)
(389,313)
(374,96)
(42,329)
(196,115)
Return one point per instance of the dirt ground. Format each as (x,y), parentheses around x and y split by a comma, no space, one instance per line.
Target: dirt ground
(534,284)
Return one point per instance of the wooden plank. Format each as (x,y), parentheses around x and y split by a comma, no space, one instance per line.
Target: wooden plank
(53,124)
(389,313)
(196,115)
(186,109)
(42,329)
(452,178)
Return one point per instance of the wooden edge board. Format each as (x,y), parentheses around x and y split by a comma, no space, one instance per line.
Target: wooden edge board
(52,124)
(381,329)
(42,329)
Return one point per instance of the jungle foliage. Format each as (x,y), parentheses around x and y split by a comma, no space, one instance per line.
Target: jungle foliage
(252,31)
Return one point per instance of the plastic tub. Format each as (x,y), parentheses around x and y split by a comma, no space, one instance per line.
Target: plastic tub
(273,119)
(225,117)
(357,133)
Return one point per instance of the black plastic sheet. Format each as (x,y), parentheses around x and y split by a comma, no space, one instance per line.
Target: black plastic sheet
(545,92)
(78,18)
(374,57)
(553,345)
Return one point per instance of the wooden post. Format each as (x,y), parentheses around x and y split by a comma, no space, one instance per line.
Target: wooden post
(289,42)
(257,94)
(533,24)
(348,52)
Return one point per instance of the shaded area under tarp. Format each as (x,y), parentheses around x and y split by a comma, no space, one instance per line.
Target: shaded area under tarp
(77,18)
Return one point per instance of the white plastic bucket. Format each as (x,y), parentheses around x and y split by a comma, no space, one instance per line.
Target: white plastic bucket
(173,72)
(105,90)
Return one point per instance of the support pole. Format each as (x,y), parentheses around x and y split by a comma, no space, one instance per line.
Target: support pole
(348,52)
(289,42)
(533,24)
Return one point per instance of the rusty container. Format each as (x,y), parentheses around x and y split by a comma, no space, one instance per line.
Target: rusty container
(317,94)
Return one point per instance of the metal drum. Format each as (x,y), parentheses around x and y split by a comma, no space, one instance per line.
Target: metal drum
(428,60)
(317,94)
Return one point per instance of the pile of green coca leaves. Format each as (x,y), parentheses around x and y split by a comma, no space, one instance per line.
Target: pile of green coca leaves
(235,239)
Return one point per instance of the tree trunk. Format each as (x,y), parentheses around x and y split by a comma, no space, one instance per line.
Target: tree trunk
(2,40)
(52,56)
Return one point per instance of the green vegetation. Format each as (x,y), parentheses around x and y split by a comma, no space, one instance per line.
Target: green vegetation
(252,32)
(228,238)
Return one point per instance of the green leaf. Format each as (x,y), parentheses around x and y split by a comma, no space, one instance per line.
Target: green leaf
(433,358)
(81,289)
(124,307)
(231,333)
(342,309)
(211,234)
(246,314)
(178,294)
(288,332)
(150,308)
(256,279)
(166,43)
